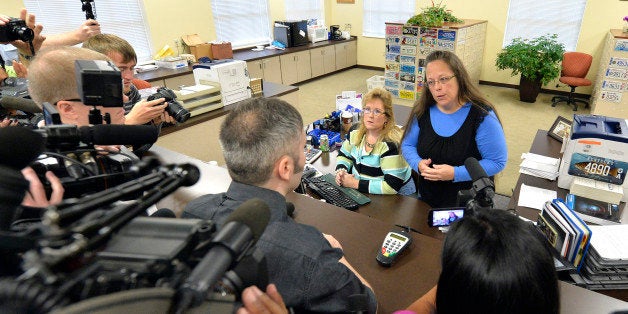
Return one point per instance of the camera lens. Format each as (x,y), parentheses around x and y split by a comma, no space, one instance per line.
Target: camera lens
(24,33)
(177,111)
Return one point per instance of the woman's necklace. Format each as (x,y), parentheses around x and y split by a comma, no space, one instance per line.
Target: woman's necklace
(370,145)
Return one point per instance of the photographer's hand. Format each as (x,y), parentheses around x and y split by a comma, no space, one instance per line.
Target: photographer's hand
(20,69)
(145,111)
(23,47)
(256,301)
(36,195)
(88,29)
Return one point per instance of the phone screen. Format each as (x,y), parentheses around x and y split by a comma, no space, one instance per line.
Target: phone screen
(442,217)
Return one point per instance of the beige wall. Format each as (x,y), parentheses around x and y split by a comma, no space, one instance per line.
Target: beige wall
(169,20)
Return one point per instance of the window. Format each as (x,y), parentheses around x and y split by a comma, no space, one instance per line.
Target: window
(305,10)
(124,18)
(243,23)
(530,18)
(377,13)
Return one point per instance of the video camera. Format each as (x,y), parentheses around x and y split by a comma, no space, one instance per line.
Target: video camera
(96,248)
(16,29)
(70,154)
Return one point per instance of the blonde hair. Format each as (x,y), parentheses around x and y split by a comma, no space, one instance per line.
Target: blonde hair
(51,75)
(390,132)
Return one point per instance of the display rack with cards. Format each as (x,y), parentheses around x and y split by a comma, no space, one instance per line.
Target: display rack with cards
(407,46)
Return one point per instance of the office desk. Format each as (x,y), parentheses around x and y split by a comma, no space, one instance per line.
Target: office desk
(418,269)
(545,145)
(397,287)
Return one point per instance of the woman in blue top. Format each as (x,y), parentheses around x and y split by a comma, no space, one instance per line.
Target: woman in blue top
(450,122)
(369,159)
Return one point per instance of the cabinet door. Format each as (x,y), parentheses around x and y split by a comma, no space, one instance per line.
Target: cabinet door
(272,69)
(289,69)
(341,56)
(255,69)
(329,59)
(316,62)
(352,53)
(304,70)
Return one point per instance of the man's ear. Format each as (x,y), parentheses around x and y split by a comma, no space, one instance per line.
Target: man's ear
(67,110)
(285,167)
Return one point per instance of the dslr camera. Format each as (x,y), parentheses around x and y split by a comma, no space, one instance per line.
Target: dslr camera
(16,29)
(174,109)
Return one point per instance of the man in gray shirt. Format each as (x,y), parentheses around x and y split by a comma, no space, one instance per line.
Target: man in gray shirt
(262,141)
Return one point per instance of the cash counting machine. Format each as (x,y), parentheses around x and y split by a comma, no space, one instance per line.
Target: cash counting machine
(595,159)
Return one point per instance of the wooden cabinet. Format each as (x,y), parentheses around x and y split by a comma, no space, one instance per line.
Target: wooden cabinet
(268,69)
(610,95)
(295,67)
(407,47)
(323,60)
(346,54)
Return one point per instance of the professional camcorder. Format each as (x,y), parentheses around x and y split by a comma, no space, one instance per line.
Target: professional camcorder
(174,109)
(71,155)
(16,29)
(96,252)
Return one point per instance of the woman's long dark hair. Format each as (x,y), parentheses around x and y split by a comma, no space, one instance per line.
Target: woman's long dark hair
(493,262)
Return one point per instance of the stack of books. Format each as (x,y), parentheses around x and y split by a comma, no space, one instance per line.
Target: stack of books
(539,166)
(606,265)
(565,231)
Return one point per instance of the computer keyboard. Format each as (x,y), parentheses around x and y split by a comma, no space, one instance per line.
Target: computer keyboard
(352,193)
(312,154)
(330,193)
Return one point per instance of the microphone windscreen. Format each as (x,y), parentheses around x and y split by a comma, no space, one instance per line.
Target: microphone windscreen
(19,103)
(475,169)
(253,213)
(164,213)
(119,134)
(19,146)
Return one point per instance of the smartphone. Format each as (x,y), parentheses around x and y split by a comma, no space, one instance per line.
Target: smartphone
(443,217)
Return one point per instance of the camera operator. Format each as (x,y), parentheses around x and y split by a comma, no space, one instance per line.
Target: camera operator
(87,29)
(124,57)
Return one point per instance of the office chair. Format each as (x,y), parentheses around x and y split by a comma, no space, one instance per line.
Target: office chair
(140,84)
(575,67)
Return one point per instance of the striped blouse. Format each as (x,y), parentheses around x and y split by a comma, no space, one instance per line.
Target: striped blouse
(381,171)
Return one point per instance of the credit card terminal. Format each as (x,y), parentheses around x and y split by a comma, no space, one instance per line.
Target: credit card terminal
(394,244)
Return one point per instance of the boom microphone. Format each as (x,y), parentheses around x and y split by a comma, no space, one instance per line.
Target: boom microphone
(19,103)
(65,135)
(482,185)
(240,232)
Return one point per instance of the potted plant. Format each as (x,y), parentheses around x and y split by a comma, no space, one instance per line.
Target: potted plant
(434,16)
(537,60)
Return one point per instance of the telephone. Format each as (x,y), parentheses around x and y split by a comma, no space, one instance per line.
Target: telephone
(395,243)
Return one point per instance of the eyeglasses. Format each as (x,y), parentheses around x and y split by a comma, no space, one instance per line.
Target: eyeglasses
(443,80)
(375,112)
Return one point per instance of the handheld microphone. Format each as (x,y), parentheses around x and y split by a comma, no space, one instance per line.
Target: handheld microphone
(483,187)
(20,146)
(240,232)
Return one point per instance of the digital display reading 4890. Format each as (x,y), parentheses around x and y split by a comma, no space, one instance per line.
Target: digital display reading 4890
(598,168)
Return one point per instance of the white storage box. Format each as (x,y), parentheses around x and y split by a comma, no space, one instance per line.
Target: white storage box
(374,81)
(172,63)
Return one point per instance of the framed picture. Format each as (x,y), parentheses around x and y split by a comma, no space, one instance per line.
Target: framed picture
(560,129)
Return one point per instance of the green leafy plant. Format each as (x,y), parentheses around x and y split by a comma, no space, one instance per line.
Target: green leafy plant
(537,58)
(434,16)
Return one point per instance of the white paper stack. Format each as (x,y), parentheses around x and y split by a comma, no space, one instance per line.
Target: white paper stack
(539,166)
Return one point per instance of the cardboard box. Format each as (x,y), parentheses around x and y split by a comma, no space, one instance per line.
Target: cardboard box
(197,47)
(222,51)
